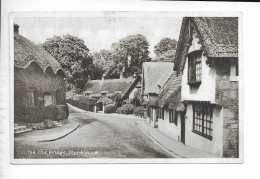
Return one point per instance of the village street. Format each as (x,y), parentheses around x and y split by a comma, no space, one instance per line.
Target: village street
(99,136)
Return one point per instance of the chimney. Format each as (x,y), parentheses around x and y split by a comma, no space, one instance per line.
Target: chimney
(16,28)
(103,78)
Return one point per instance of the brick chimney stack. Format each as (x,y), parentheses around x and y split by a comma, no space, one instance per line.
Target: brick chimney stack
(16,28)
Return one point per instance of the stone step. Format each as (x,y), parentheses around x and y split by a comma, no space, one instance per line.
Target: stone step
(19,128)
(57,125)
(22,131)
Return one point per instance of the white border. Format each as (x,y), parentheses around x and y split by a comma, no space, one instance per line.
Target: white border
(124,14)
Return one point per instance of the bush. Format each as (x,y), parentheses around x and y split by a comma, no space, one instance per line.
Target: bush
(126,109)
(32,114)
(62,112)
(139,111)
(49,112)
(110,108)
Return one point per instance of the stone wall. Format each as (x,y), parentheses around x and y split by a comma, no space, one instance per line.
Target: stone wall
(227,98)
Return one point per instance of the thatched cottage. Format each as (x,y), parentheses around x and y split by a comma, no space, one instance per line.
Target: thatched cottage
(39,87)
(105,89)
(207,62)
(154,76)
(170,109)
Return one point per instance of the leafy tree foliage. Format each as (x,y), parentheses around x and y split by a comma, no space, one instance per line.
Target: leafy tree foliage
(165,50)
(167,56)
(73,56)
(130,52)
(126,55)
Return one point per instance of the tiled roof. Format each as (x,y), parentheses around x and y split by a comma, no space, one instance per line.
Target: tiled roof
(154,74)
(26,52)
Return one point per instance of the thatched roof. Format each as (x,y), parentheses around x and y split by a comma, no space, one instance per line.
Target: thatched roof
(131,87)
(26,52)
(154,74)
(218,35)
(109,85)
(170,93)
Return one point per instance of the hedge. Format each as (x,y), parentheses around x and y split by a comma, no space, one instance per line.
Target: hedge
(139,111)
(126,109)
(49,112)
(62,112)
(81,101)
(110,108)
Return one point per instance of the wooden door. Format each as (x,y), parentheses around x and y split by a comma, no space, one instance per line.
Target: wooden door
(182,127)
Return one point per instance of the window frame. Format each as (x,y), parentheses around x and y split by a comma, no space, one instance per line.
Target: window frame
(195,68)
(173,116)
(161,113)
(203,120)
(29,99)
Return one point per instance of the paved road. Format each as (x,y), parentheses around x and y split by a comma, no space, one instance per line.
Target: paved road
(99,136)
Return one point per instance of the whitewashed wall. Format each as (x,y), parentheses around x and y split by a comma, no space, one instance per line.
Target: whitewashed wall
(132,93)
(207,89)
(214,146)
(170,129)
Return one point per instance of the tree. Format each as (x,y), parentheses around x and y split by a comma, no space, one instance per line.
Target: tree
(129,54)
(165,50)
(73,56)
(167,56)
(104,64)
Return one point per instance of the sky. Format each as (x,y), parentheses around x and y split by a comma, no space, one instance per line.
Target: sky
(100,32)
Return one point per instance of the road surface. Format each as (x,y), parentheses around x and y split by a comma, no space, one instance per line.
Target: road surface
(99,136)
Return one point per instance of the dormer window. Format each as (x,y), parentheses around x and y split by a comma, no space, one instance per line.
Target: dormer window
(194,67)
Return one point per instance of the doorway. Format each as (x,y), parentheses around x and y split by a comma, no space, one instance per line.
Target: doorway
(182,127)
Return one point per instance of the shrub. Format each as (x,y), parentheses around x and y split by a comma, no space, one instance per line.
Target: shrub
(139,111)
(49,112)
(62,112)
(110,108)
(126,109)
(32,114)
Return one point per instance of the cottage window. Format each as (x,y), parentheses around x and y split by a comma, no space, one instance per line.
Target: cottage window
(194,67)
(202,120)
(49,99)
(29,100)
(160,113)
(173,116)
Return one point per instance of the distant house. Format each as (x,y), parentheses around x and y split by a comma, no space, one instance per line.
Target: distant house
(107,88)
(154,75)
(39,87)
(207,61)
